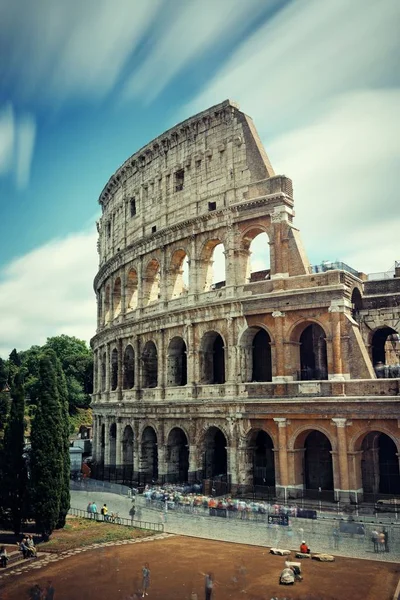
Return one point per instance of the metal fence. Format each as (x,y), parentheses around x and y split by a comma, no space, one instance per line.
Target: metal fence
(115,519)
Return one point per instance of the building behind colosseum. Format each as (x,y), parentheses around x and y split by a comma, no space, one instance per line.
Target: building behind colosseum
(286,378)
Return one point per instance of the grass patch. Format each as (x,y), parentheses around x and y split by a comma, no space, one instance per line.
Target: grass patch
(78,533)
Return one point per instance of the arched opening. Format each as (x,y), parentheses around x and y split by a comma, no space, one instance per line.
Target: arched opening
(149,454)
(117,297)
(262,449)
(177,456)
(177,363)
(213,358)
(127,453)
(259,266)
(107,304)
(113,445)
(151,283)
(313,356)
(114,369)
(215,454)
(261,357)
(132,290)
(103,372)
(212,274)
(179,274)
(102,443)
(318,470)
(150,365)
(379,465)
(386,352)
(129,368)
(356,304)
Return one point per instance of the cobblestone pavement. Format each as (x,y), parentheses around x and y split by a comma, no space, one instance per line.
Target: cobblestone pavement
(317,533)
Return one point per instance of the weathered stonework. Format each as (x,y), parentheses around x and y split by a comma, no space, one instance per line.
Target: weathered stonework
(198,379)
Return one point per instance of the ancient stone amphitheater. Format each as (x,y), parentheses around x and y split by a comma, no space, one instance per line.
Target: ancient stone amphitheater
(208,368)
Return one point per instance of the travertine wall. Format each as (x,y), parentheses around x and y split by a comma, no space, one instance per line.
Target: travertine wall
(176,363)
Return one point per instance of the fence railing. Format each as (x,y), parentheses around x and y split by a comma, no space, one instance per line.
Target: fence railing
(115,519)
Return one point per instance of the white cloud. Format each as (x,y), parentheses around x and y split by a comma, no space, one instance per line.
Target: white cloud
(192,29)
(49,292)
(17,140)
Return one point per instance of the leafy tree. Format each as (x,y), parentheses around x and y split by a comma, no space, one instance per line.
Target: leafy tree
(47,449)
(14,473)
(4,397)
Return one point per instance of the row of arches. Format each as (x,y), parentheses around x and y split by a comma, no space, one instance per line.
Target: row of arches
(379,458)
(178,282)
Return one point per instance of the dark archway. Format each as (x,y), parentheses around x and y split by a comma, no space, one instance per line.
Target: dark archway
(113,445)
(114,369)
(213,358)
(263,459)
(177,363)
(379,465)
(150,365)
(149,454)
(385,349)
(127,454)
(215,454)
(129,368)
(313,357)
(102,443)
(356,304)
(177,456)
(318,471)
(103,372)
(262,363)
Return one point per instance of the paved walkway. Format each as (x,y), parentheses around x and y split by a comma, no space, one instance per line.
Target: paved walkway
(317,533)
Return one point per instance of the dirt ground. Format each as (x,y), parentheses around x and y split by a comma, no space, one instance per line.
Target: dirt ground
(176,564)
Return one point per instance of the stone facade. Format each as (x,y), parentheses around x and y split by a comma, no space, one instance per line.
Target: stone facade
(260,378)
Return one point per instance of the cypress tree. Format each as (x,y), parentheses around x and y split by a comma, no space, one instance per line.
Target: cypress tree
(47,441)
(14,467)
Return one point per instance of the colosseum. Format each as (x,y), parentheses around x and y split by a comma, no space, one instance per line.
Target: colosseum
(209,368)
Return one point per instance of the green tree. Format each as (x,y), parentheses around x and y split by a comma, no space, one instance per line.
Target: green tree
(47,449)
(4,397)
(14,473)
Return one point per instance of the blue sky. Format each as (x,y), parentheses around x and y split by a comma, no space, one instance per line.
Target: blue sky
(85,84)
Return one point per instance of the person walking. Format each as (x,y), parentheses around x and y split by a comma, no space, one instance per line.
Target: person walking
(335,534)
(381,542)
(145,579)
(49,592)
(208,585)
(94,510)
(375,540)
(89,509)
(386,535)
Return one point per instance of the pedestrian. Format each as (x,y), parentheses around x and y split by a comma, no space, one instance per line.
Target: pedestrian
(208,585)
(94,510)
(386,535)
(3,557)
(381,542)
(335,534)
(49,592)
(375,540)
(35,593)
(89,509)
(145,579)
(104,512)
(132,512)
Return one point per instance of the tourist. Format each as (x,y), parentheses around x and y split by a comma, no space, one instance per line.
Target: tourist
(3,557)
(386,534)
(49,592)
(381,540)
(304,549)
(375,540)
(24,548)
(335,534)
(145,579)
(209,583)
(35,593)
(94,510)
(31,546)
(89,509)
(104,512)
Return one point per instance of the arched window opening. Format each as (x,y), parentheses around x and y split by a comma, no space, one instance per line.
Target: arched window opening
(113,445)
(261,354)
(263,459)
(114,369)
(149,454)
(379,465)
(212,272)
(127,454)
(313,356)
(107,304)
(386,352)
(132,290)
(318,471)
(102,443)
(213,358)
(177,363)
(179,274)
(103,372)
(215,454)
(117,297)
(259,267)
(151,283)
(150,365)
(177,456)
(129,368)
(356,304)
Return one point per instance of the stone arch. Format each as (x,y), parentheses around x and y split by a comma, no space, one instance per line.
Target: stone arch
(312,359)
(103,372)
(378,466)
(151,282)
(149,453)
(132,292)
(212,358)
(356,303)
(177,362)
(256,358)
(255,243)
(261,449)
(177,456)
(117,297)
(112,436)
(107,303)
(102,443)
(129,368)
(209,277)
(313,460)
(114,369)
(127,452)
(385,350)
(150,365)
(178,274)
(215,459)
